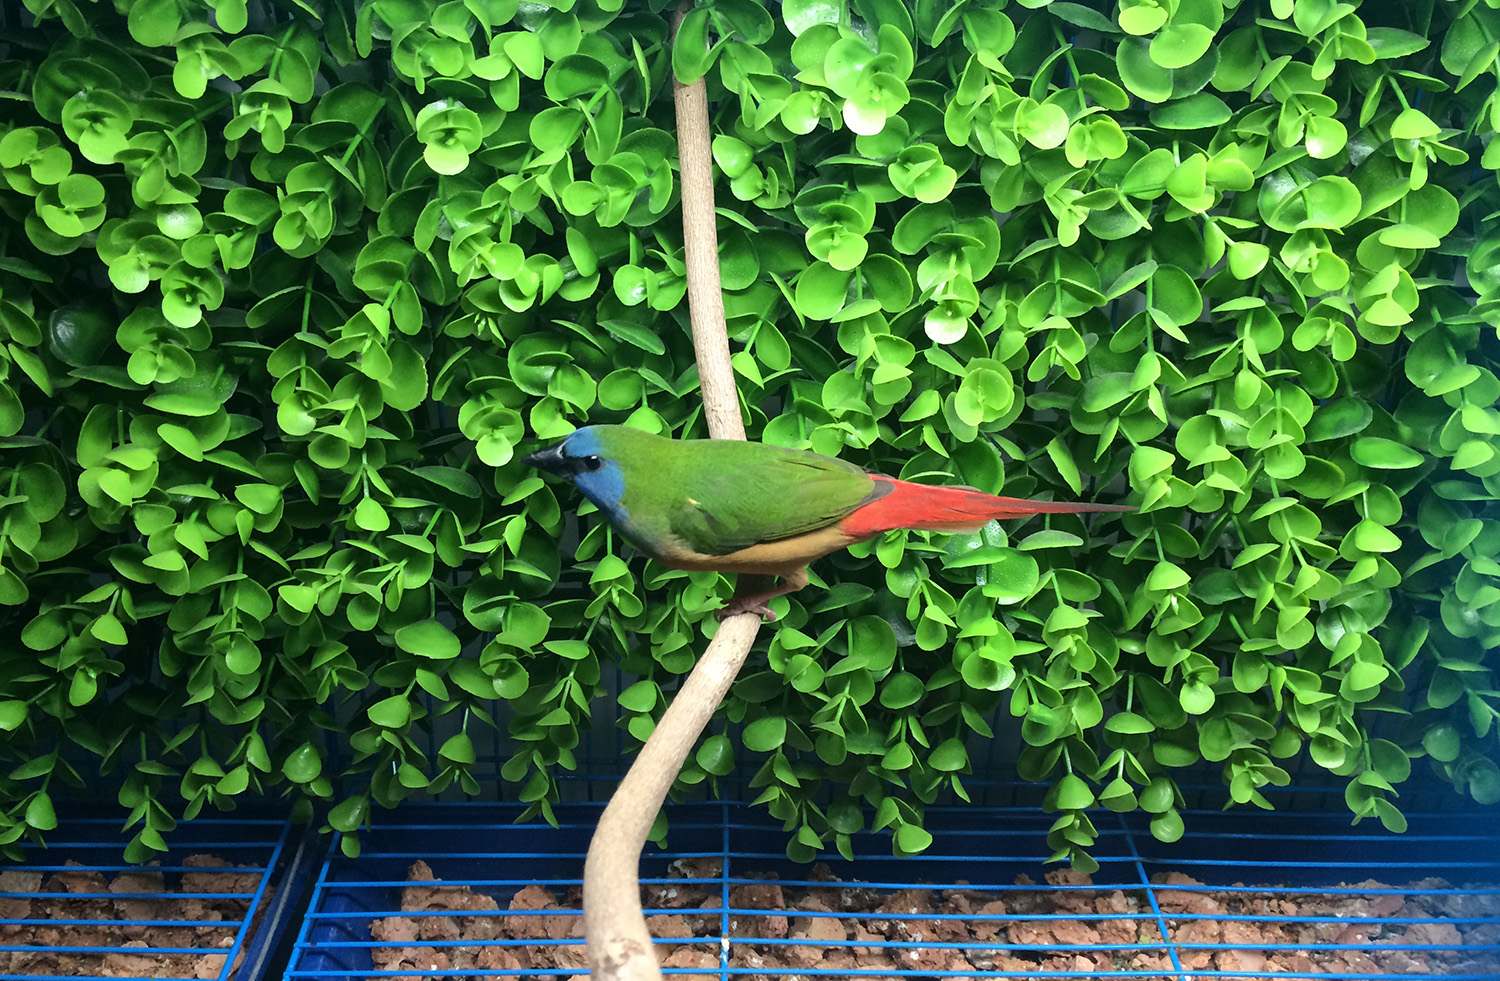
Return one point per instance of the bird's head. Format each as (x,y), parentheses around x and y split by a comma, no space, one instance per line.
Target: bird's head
(582,458)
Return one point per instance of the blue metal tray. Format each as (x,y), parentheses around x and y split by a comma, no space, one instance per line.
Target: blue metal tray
(261,852)
(1437,890)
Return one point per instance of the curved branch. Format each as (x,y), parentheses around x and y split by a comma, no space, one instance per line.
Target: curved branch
(700,240)
(619,945)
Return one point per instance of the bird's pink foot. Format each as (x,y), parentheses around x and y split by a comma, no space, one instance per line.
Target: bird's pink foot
(752,594)
(748,604)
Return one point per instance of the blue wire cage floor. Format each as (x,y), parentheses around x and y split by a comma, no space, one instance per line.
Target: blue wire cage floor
(1279,894)
(207,908)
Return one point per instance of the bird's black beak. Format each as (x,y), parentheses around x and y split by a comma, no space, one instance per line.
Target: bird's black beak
(550,460)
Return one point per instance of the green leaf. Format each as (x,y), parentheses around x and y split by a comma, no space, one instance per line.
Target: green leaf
(1338,419)
(1384,454)
(1073,794)
(691,54)
(1142,18)
(1196,698)
(639,697)
(1442,743)
(39,812)
(949,756)
(1051,538)
(1167,827)
(1392,42)
(1413,124)
(349,814)
(1128,723)
(1141,74)
(765,734)
(260,498)
(371,516)
(428,638)
(902,690)
(1044,126)
(1199,111)
(1180,45)
(572,650)
(716,755)
(912,839)
(12,714)
(393,712)
(1118,796)
(303,764)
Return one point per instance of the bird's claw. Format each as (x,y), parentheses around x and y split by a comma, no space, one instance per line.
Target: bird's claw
(755,592)
(748,605)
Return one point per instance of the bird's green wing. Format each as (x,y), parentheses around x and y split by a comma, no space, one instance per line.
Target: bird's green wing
(714,497)
(773,498)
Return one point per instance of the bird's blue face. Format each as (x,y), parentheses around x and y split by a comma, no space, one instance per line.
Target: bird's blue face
(581,459)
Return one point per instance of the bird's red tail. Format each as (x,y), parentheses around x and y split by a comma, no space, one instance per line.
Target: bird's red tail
(958,509)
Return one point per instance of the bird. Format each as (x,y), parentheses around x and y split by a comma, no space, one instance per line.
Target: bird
(758,509)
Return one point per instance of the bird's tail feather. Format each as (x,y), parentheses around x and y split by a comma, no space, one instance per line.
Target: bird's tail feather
(954,509)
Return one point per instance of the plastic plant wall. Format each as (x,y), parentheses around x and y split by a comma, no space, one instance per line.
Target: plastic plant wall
(287,288)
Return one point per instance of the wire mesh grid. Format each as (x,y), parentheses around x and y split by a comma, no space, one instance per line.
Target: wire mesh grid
(1282,894)
(204,909)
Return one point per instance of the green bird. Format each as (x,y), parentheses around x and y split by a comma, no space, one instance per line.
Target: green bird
(732,506)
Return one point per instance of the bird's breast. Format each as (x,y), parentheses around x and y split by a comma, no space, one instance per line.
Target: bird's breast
(779,558)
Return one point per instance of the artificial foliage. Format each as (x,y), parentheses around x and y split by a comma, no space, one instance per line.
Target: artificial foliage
(288,288)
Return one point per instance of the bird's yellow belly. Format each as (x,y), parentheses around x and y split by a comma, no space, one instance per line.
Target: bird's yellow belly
(767,559)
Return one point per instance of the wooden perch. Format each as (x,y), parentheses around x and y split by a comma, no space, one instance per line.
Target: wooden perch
(619,945)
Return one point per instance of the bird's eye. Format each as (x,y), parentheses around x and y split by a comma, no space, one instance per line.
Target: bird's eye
(592,463)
